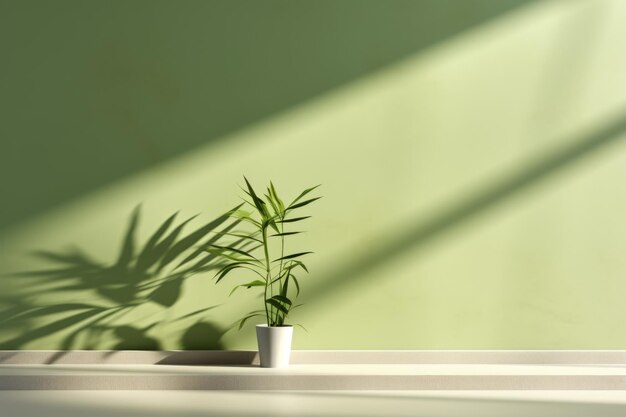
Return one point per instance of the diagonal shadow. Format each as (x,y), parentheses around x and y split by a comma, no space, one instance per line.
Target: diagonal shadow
(236,63)
(469,208)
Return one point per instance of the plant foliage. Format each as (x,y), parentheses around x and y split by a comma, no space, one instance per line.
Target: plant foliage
(263,252)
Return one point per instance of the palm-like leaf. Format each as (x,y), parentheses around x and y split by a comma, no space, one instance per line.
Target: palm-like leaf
(269,211)
(305,192)
(292,256)
(295,219)
(248,285)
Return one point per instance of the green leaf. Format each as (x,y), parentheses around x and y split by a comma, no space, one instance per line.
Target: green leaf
(286,269)
(246,216)
(305,192)
(285,234)
(223,252)
(246,201)
(283,299)
(240,213)
(285,287)
(295,281)
(277,304)
(273,203)
(242,265)
(295,219)
(241,234)
(258,203)
(293,255)
(236,250)
(302,204)
(295,262)
(272,222)
(243,320)
(254,270)
(281,205)
(299,325)
(227,255)
(256,283)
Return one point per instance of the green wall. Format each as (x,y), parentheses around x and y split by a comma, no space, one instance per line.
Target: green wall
(471,155)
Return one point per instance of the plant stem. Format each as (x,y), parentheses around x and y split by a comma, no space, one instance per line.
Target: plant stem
(280,268)
(268,276)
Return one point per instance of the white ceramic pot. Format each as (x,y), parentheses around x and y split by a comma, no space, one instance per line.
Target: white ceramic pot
(274,345)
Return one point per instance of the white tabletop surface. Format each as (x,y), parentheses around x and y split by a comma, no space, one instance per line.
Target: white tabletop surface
(312,404)
(315,370)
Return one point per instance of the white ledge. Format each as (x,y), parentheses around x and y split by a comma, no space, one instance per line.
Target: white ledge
(234,357)
(314,370)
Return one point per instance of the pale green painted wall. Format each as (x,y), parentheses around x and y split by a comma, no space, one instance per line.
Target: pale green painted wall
(471,157)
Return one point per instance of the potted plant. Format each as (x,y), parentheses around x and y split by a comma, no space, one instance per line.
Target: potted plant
(261,252)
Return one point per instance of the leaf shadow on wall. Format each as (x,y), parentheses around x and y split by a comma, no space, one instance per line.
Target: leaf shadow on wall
(153,273)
